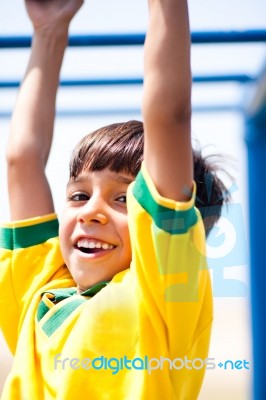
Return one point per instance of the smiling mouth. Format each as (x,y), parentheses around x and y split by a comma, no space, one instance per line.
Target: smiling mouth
(89,246)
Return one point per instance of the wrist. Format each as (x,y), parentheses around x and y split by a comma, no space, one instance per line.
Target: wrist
(56,33)
(48,47)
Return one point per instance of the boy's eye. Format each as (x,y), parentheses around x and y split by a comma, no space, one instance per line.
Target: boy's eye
(78,197)
(122,199)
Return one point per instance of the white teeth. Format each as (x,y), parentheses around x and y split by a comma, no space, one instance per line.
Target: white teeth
(92,244)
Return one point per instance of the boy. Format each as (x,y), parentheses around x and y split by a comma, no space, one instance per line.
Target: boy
(122,309)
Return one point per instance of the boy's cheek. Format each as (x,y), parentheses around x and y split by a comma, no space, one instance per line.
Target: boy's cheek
(63,250)
(64,241)
(65,227)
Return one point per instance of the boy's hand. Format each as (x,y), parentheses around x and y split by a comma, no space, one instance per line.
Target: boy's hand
(51,14)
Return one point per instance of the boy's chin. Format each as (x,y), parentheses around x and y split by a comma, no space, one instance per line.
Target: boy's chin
(85,281)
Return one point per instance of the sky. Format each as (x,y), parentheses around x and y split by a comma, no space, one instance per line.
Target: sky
(216,132)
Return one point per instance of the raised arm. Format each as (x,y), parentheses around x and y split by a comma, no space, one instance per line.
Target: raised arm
(167,99)
(32,121)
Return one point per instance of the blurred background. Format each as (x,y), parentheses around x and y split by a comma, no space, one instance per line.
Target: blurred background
(218,128)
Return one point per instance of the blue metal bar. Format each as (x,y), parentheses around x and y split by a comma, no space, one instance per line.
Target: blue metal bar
(90,112)
(238,78)
(83,82)
(215,37)
(256,149)
(134,39)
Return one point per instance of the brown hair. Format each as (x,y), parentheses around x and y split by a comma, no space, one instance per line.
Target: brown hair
(211,192)
(119,147)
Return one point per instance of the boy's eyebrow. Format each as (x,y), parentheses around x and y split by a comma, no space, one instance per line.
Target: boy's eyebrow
(117,178)
(78,179)
(122,179)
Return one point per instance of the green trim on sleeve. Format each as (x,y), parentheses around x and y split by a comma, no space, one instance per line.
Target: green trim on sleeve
(169,220)
(26,236)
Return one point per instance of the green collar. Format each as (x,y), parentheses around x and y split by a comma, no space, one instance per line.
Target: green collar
(64,293)
(94,289)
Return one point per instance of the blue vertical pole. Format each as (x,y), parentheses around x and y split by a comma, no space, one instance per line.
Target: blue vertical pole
(256,151)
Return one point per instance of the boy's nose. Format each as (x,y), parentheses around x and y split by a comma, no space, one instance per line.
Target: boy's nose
(94,211)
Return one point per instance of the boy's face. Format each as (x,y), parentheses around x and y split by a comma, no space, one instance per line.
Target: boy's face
(94,235)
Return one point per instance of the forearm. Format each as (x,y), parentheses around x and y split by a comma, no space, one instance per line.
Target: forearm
(167,60)
(33,116)
(32,124)
(167,99)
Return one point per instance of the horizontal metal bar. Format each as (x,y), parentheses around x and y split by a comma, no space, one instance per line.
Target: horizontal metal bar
(133,111)
(238,78)
(247,36)
(134,39)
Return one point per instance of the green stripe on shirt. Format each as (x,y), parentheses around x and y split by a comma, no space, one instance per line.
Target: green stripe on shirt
(26,236)
(171,221)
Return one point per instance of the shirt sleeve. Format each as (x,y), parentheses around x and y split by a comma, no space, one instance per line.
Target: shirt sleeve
(29,258)
(169,263)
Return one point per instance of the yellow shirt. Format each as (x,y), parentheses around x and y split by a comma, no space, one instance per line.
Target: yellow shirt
(144,335)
